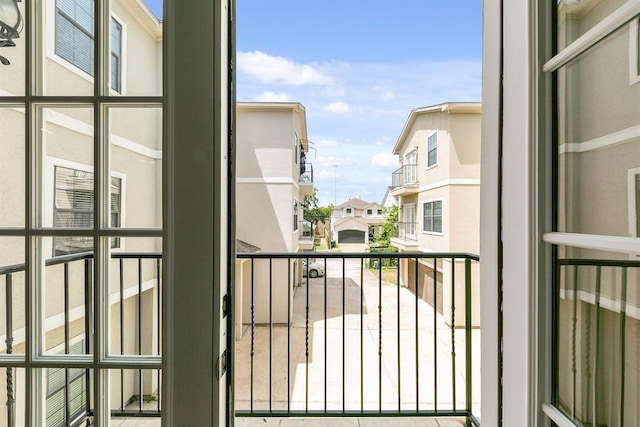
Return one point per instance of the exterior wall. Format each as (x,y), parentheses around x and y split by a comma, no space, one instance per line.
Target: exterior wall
(266,187)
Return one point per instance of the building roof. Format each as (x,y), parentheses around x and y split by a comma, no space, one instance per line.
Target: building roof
(447,107)
(355,203)
(242,246)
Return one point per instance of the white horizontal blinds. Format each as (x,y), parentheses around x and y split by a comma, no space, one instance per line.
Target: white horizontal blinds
(432,216)
(74,202)
(56,391)
(74,32)
(432,149)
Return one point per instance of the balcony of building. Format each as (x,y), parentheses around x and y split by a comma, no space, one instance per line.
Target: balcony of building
(306,179)
(355,347)
(306,235)
(404,181)
(404,236)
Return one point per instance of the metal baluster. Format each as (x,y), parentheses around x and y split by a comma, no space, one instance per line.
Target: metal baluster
(9,342)
(574,322)
(121,266)
(159,327)
(361,335)
(623,325)
(289,335)
(140,385)
(435,334)
(343,328)
(453,331)
(67,382)
(417,323)
(306,343)
(467,307)
(380,335)
(270,332)
(398,315)
(325,335)
(253,323)
(597,345)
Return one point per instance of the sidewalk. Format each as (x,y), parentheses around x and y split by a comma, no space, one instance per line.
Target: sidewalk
(368,354)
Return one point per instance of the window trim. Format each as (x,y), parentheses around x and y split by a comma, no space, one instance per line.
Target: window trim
(296,214)
(435,149)
(634,51)
(48,198)
(431,232)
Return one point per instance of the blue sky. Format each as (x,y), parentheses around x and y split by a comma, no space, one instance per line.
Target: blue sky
(358,67)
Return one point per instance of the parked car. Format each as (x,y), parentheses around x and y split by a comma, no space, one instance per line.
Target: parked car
(314,269)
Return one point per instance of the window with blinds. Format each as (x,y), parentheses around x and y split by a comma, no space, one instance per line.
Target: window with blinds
(74,38)
(73,208)
(67,384)
(432,150)
(432,217)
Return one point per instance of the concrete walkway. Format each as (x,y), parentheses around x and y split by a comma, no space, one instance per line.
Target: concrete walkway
(357,358)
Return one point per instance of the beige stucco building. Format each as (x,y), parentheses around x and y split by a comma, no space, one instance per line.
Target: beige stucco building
(438,191)
(273,176)
(355,222)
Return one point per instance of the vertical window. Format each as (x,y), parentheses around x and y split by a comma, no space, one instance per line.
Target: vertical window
(296,147)
(73,208)
(116,55)
(432,217)
(74,33)
(295,214)
(410,220)
(410,175)
(432,150)
(74,38)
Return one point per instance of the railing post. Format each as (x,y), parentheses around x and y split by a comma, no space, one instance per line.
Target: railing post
(9,341)
(468,320)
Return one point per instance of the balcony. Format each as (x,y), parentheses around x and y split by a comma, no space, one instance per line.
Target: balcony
(305,237)
(306,179)
(404,236)
(352,343)
(136,303)
(405,180)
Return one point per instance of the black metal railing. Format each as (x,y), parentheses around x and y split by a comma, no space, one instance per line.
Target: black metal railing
(357,341)
(79,268)
(405,230)
(306,172)
(407,174)
(596,310)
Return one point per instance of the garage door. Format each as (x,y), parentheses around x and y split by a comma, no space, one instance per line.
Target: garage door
(351,236)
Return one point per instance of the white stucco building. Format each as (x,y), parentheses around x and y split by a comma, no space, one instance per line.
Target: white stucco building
(355,222)
(272,180)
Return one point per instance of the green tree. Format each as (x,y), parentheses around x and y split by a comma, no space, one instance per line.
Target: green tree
(389,226)
(312,212)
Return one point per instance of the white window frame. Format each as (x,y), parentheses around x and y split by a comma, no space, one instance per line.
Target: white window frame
(296,214)
(634,51)
(48,196)
(410,207)
(432,232)
(411,167)
(434,133)
(50,47)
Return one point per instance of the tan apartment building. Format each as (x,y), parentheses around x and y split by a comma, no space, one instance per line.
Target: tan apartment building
(272,180)
(62,184)
(355,222)
(438,191)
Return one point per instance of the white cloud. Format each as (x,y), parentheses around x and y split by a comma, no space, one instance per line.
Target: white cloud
(337,107)
(272,97)
(332,161)
(384,160)
(327,143)
(387,95)
(277,69)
